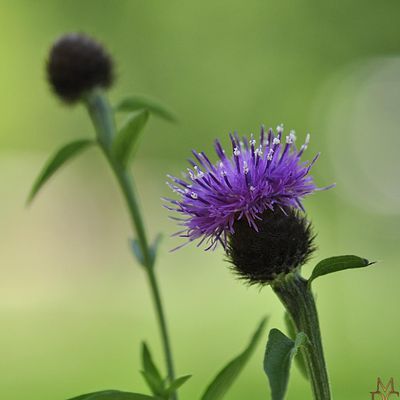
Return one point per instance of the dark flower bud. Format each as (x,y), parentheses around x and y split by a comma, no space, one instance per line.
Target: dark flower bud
(283,243)
(76,65)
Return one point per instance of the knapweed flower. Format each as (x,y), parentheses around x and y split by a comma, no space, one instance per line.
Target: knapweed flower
(259,176)
(76,65)
(251,203)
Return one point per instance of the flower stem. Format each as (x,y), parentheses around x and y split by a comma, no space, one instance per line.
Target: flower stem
(127,188)
(299,302)
(102,117)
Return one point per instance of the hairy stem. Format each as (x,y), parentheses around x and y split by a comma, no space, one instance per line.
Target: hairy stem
(299,302)
(102,117)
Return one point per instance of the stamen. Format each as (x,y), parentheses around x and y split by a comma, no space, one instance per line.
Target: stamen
(236,151)
(270,154)
(200,174)
(276,141)
(262,135)
(191,174)
(279,128)
(194,195)
(245,167)
(291,138)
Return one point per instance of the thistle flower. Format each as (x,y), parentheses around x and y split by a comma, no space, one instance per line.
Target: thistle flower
(259,176)
(76,65)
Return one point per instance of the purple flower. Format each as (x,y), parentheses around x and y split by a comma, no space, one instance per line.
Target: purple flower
(258,176)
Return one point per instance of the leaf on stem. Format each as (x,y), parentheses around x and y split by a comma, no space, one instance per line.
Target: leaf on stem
(150,372)
(299,359)
(113,395)
(154,248)
(279,354)
(125,143)
(58,159)
(135,103)
(338,263)
(137,250)
(176,384)
(227,376)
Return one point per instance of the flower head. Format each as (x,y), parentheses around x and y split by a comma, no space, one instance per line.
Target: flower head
(259,176)
(76,65)
(282,243)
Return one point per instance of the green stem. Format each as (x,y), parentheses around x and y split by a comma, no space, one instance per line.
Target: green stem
(102,117)
(299,302)
(127,188)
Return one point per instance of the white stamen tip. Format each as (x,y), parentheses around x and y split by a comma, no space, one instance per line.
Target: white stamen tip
(270,154)
(276,141)
(252,188)
(307,139)
(191,174)
(291,138)
(245,167)
(279,128)
(236,151)
(193,195)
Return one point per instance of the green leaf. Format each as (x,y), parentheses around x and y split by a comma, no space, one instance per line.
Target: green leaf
(278,357)
(154,248)
(125,142)
(113,395)
(135,103)
(151,373)
(176,384)
(226,377)
(137,250)
(58,159)
(339,263)
(299,359)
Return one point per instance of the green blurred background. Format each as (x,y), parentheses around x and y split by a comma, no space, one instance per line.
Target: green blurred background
(74,305)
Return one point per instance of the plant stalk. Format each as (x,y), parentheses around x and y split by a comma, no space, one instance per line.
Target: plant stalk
(299,302)
(102,117)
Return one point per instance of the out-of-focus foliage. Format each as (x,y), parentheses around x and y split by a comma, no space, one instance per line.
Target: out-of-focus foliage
(74,305)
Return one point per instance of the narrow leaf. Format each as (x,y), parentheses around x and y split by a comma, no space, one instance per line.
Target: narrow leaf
(177,383)
(113,395)
(137,251)
(153,384)
(150,372)
(299,359)
(125,143)
(339,263)
(279,353)
(226,377)
(135,103)
(58,159)
(154,248)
